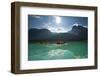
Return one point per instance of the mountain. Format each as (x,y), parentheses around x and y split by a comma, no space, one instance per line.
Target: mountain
(76,33)
(39,34)
(80,32)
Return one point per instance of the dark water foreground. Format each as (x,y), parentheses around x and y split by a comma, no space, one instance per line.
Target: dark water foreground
(69,50)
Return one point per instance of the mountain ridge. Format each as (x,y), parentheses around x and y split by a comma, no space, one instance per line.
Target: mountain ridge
(76,33)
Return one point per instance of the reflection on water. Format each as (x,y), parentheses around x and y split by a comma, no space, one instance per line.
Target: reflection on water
(56,52)
(60,53)
(70,50)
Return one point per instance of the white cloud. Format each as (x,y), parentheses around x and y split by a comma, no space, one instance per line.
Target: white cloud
(85,26)
(36,17)
(55,28)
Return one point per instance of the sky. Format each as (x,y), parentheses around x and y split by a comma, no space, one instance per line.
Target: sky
(56,23)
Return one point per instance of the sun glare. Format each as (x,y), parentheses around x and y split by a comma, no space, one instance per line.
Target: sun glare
(58,20)
(58,28)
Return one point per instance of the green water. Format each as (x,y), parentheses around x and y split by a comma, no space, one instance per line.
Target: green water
(51,51)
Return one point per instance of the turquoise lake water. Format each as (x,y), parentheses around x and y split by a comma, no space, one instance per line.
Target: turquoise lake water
(51,51)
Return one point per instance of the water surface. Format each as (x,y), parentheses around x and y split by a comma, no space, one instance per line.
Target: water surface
(52,51)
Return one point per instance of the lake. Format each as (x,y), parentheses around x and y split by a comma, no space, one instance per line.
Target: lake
(52,51)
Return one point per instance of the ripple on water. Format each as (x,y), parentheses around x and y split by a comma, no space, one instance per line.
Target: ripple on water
(60,54)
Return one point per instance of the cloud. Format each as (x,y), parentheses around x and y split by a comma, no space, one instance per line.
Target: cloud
(46,25)
(36,17)
(54,28)
(85,26)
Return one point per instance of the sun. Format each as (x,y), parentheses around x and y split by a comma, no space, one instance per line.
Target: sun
(58,28)
(58,19)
